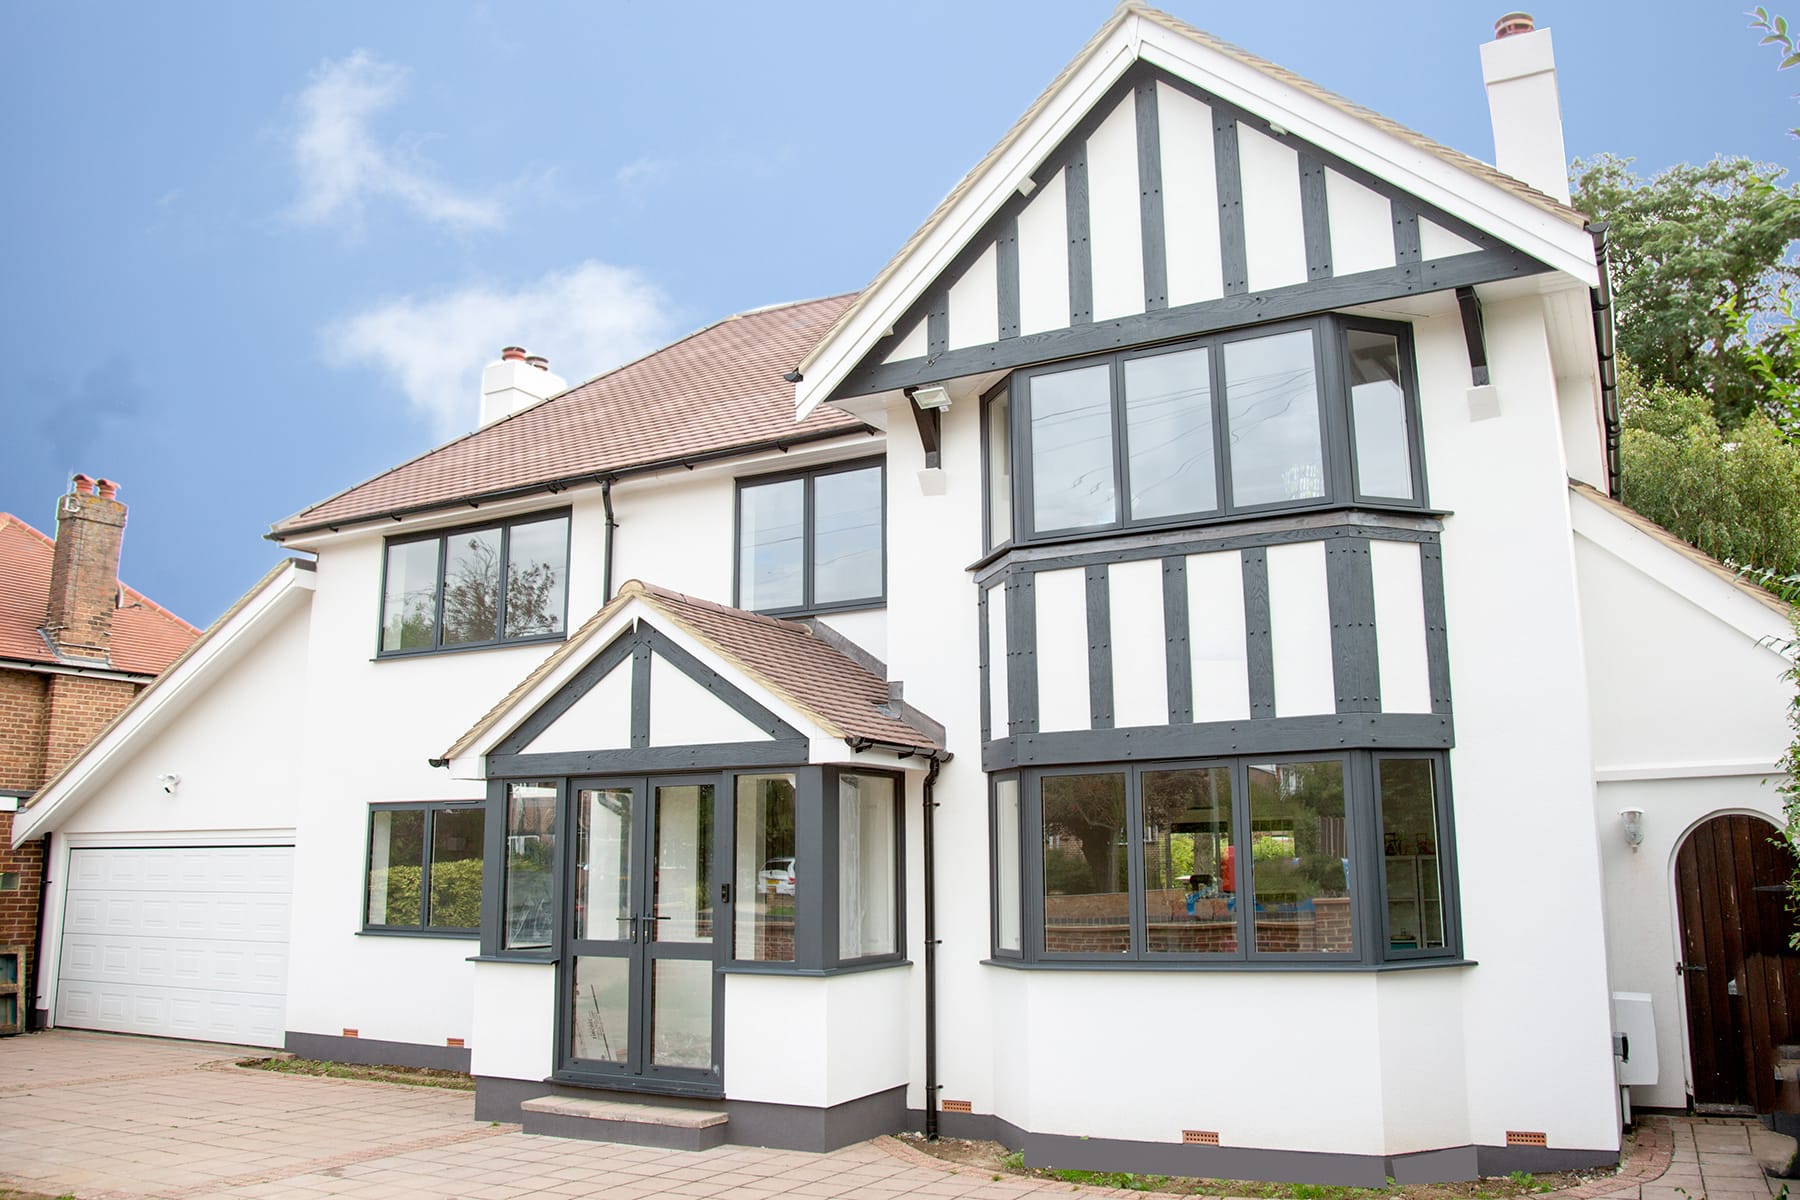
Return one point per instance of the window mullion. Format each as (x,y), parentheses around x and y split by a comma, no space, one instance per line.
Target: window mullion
(1134,862)
(1215,367)
(1121,463)
(437,619)
(809,532)
(500,584)
(425,843)
(1241,855)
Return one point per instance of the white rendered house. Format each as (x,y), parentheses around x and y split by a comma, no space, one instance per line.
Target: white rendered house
(1153,679)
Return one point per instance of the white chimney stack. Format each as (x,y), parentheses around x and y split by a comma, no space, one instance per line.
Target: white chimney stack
(517,381)
(1519,67)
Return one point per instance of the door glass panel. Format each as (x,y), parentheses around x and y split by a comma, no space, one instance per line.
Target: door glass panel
(681,1013)
(1300,859)
(1190,897)
(1087,897)
(766,881)
(683,875)
(600,1011)
(603,864)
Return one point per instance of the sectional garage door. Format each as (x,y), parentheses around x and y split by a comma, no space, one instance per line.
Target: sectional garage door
(186,942)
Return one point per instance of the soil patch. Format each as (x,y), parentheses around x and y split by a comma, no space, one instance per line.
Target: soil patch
(416,1076)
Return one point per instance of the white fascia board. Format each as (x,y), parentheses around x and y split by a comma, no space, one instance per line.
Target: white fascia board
(825,366)
(1692,582)
(165,699)
(1489,208)
(1686,770)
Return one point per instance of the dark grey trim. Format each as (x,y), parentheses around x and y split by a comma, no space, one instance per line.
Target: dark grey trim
(853,967)
(1220,962)
(428,845)
(930,424)
(1213,739)
(1021,654)
(1081,254)
(808,477)
(831,834)
(371,1052)
(784,752)
(582,682)
(1006,277)
(1437,630)
(1315,219)
(1099,632)
(1150,196)
(937,324)
(713,682)
(1350,594)
(1235,310)
(751,1123)
(640,694)
(1504,1160)
(1259,643)
(1474,335)
(984,660)
(1229,180)
(1175,631)
(1407,256)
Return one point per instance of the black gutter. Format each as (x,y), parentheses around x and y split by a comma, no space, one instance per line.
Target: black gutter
(1606,351)
(611,524)
(553,486)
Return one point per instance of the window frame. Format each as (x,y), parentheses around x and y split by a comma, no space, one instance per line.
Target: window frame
(1365,879)
(1336,432)
(808,531)
(442,536)
(833,868)
(422,929)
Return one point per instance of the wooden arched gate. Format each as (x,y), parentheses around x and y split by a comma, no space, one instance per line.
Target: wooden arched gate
(1741,976)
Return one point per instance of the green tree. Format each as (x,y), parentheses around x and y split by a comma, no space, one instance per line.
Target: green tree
(1689,249)
(1776,29)
(1736,497)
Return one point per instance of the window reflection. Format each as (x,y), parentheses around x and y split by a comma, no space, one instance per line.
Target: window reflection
(530,864)
(1087,898)
(1378,413)
(847,536)
(1409,848)
(771,545)
(1190,884)
(1272,419)
(767,883)
(1071,449)
(1169,434)
(1299,859)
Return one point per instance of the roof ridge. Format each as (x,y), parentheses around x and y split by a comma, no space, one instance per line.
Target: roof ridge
(701,602)
(148,602)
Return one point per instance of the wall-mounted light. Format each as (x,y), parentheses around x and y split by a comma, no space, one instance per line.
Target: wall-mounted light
(935,396)
(168,781)
(1633,821)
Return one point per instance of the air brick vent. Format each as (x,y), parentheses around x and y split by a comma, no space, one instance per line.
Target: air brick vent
(349,1033)
(1199,1137)
(1523,1137)
(958,1106)
(454,1043)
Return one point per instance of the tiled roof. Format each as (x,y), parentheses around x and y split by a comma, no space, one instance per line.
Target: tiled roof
(146,637)
(710,392)
(785,657)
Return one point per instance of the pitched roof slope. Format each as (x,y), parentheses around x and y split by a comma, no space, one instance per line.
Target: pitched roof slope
(784,657)
(712,391)
(146,637)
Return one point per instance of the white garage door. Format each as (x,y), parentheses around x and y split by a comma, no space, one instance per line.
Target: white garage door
(186,942)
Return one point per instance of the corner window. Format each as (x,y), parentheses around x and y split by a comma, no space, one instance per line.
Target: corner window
(483,586)
(1234,860)
(1307,414)
(813,540)
(424,871)
(868,842)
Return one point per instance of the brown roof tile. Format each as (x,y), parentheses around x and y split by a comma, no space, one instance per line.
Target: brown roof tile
(711,392)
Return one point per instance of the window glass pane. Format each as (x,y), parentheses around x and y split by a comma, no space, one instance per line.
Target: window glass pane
(868,879)
(682,906)
(847,536)
(681,1013)
(530,864)
(537,577)
(1300,859)
(409,609)
(1272,419)
(1087,908)
(1007,886)
(772,545)
(600,1010)
(456,837)
(1409,846)
(1071,449)
(1190,889)
(1169,434)
(396,859)
(603,908)
(1378,413)
(999,470)
(766,879)
(472,587)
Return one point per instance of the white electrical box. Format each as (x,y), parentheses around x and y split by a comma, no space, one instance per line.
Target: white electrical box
(1635,1025)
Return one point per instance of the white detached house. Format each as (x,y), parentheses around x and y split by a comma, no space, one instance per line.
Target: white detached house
(1154,679)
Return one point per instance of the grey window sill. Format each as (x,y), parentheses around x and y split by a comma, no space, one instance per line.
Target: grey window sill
(1234,965)
(812,972)
(441,935)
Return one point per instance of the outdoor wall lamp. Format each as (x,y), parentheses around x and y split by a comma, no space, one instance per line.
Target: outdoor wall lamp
(168,781)
(1633,819)
(931,397)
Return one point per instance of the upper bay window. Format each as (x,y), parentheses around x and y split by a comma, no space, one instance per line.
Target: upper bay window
(1309,414)
(445,591)
(813,540)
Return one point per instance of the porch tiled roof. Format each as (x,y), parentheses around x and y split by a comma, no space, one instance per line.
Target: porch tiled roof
(711,392)
(784,657)
(146,637)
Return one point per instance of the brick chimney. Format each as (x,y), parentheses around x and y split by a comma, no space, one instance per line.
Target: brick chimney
(84,571)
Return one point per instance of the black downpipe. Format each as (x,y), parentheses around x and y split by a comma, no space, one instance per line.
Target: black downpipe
(606,577)
(34,978)
(931,1074)
(1605,349)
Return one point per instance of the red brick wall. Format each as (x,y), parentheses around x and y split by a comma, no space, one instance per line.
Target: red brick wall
(19,906)
(22,716)
(80,707)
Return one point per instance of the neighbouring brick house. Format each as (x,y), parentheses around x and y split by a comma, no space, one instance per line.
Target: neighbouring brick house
(75,646)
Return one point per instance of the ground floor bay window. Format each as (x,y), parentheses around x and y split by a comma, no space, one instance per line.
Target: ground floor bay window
(1327,859)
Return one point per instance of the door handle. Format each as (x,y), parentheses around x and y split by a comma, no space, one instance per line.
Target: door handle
(1690,968)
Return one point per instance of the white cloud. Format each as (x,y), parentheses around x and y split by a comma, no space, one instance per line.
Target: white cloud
(342,166)
(585,320)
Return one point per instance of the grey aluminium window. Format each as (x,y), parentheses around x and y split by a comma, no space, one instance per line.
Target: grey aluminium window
(812,541)
(424,868)
(496,584)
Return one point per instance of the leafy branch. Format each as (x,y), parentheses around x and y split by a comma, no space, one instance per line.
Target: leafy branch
(1775,30)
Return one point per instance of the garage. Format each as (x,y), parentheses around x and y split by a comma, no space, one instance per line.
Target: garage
(183,942)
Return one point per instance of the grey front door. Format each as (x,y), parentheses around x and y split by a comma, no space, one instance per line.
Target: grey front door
(638,986)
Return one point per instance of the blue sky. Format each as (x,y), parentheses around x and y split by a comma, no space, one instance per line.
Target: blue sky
(253,254)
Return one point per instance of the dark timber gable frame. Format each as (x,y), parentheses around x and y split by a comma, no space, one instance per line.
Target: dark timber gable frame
(1322,291)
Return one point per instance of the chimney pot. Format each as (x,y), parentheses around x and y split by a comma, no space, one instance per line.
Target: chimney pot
(84,485)
(1512,23)
(513,354)
(538,361)
(106,489)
